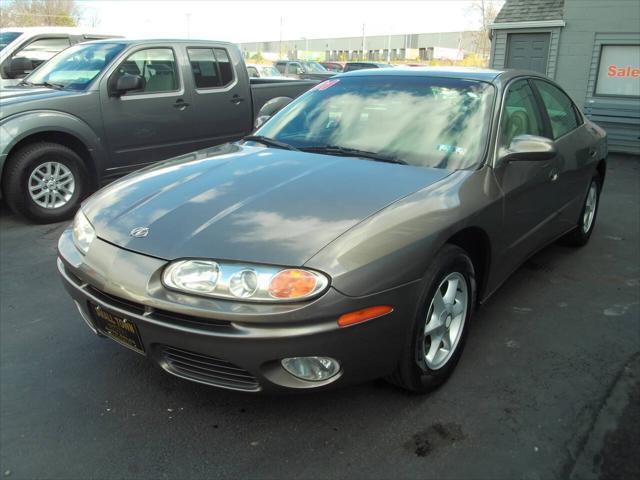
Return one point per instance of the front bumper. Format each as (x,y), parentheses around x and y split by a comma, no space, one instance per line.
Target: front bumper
(231,344)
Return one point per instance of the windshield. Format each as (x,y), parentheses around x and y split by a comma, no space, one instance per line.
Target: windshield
(7,37)
(423,121)
(314,67)
(270,72)
(75,67)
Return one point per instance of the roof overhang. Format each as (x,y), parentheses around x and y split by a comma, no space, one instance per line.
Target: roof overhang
(531,24)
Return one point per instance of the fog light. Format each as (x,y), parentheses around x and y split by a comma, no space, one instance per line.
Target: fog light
(314,369)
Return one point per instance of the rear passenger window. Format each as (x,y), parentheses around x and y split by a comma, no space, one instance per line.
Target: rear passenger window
(520,115)
(156,65)
(211,67)
(562,113)
(226,69)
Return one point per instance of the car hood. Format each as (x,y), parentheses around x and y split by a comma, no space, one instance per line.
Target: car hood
(249,204)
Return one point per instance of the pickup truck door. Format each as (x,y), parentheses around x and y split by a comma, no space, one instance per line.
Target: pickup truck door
(151,124)
(222,103)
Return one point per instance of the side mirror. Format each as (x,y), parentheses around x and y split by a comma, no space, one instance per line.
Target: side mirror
(270,108)
(19,67)
(127,83)
(528,148)
(299,71)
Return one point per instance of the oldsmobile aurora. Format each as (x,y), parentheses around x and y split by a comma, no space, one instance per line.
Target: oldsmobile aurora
(351,237)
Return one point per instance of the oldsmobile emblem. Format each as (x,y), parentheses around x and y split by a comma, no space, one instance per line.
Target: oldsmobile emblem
(139,232)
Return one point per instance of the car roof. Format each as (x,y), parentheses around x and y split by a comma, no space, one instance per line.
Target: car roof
(71,30)
(144,41)
(467,73)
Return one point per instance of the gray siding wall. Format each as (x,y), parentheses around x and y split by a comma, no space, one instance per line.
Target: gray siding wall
(590,24)
(499,47)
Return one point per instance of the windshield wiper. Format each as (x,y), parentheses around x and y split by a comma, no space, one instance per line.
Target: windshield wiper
(56,86)
(269,142)
(352,152)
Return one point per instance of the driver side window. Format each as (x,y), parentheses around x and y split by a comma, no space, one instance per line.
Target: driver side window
(520,115)
(157,66)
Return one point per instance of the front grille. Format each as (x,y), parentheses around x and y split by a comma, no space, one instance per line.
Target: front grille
(206,369)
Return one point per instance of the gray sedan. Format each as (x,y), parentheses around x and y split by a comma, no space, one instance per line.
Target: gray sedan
(351,237)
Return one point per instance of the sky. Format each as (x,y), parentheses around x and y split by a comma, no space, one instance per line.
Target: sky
(247,21)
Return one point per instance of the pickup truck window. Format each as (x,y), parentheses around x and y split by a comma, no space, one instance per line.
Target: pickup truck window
(156,65)
(7,37)
(77,66)
(226,70)
(281,67)
(210,70)
(42,49)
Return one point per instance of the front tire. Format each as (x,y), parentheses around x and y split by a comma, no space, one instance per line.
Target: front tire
(44,182)
(440,327)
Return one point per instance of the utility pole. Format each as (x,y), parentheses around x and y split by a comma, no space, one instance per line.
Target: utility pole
(280,56)
(363,42)
(389,47)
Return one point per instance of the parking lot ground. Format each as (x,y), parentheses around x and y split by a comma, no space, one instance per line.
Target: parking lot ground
(537,393)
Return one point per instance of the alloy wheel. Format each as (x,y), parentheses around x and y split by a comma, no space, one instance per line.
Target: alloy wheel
(51,185)
(445,321)
(590,207)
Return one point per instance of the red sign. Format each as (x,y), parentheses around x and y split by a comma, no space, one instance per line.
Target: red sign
(628,71)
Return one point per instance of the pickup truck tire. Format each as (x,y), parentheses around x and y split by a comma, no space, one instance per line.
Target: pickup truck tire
(44,182)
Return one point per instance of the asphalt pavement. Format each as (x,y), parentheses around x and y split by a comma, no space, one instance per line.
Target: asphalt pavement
(547,386)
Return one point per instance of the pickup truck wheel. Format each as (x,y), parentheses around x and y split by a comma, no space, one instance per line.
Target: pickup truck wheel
(44,182)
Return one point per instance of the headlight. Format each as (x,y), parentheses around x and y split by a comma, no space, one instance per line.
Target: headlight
(83,232)
(241,281)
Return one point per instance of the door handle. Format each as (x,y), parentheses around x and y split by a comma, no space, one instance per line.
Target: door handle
(237,99)
(180,104)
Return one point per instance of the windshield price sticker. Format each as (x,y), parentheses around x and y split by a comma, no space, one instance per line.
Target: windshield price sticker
(326,84)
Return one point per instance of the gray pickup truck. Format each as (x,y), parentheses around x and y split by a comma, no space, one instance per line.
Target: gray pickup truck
(102,109)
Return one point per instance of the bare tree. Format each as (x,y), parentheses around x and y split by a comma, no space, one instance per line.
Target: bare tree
(485,11)
(28,13)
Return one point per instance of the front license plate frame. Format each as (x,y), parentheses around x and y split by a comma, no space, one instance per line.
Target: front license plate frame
(117,327)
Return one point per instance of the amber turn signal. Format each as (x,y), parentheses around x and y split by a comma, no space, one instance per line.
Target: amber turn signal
(363,315)
(292,283)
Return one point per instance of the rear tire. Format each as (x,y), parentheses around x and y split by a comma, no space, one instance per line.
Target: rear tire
(439,329)
(580,236)
(44,182)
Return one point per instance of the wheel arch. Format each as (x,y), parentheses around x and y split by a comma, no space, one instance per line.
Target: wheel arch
(61,138)
(476,242)
(58,127)
(601,168)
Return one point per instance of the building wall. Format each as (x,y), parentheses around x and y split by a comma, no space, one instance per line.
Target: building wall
(465,40)
(591,24)
(584,19)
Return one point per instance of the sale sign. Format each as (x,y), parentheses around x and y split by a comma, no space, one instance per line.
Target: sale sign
(619,72)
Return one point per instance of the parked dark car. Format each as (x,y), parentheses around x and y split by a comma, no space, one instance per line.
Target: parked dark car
(101,109)
(352,66)
(303,70)
(350,238)
(336,67)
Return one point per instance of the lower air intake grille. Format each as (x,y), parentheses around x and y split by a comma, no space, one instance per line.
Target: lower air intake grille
(206,369)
